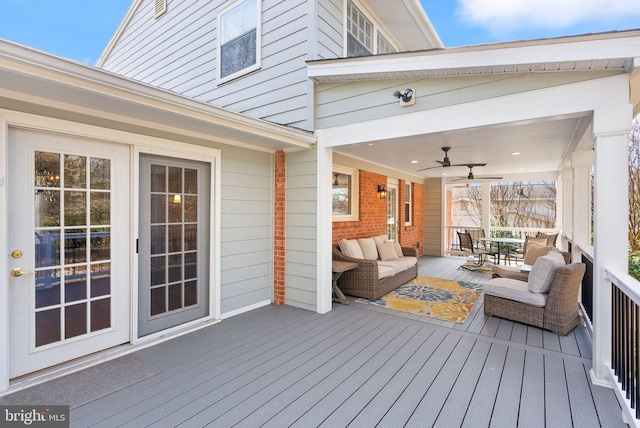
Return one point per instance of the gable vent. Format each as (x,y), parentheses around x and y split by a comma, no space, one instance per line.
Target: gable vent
(160,7)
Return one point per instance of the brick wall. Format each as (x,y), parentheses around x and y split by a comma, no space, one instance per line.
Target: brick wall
(279,215)
(373,213)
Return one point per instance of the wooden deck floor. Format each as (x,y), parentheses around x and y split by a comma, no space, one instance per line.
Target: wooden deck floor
(362,367)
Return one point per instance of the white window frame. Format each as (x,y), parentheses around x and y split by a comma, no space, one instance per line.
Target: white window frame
(408,203)
(354,196)
(377,28)
(258,63)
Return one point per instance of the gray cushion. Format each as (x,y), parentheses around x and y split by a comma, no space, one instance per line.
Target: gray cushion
(543,271)
(514,289)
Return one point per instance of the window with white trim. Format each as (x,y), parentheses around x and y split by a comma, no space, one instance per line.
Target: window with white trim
(344,192)
(239,39)
(408,218)
(363,35)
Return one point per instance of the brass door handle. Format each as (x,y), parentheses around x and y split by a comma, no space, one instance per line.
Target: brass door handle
(17,272)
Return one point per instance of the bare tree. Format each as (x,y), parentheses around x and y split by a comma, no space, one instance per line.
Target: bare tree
(634,186)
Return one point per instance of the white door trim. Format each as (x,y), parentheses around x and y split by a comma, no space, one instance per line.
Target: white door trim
(138,143)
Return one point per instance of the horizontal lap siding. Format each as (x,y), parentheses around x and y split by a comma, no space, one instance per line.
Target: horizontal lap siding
(433,211)
(178,52)
(246,243)
(330,29)
(301,242)
(351,102)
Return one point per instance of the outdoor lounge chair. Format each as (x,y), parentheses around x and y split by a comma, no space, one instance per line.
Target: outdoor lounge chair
(466,245)
(556,310)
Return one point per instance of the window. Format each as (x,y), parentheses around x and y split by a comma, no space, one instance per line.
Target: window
(384,46)
(407,204)
(345,194)
(362,35)
(239,36)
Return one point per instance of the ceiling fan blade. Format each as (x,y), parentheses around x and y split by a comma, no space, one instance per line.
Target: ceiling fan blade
(431,167)
(476,177)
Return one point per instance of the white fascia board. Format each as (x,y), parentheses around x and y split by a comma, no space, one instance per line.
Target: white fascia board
(118,33)
(626,45)
(46,67)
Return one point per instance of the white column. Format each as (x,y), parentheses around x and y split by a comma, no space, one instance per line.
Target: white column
(324,227)
(565,204)
(581,163)
(610,128)
(486,207)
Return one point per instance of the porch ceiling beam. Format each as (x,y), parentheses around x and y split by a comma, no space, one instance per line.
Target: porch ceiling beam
(593,52)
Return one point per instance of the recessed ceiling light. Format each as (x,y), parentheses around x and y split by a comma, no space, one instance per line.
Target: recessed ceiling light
(414,161)
(520,169)
(372,144)
(515,153)
(444,173)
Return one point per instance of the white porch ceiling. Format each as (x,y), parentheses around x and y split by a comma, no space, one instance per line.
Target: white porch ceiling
(544,145)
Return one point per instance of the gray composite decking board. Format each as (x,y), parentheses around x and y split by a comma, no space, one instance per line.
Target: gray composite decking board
(374,411)
(481,406)
(398,336)
(360,365)
(507,405)
(583,411)
(190,364)
(556,396)
(453,411)
(230,385)
(532,393)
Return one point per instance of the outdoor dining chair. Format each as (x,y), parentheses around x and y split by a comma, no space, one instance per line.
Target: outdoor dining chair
(466,245)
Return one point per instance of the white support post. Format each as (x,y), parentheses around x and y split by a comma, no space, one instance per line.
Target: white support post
(581,163)
(486,207)
(610,127)
(565,204)
(324,227)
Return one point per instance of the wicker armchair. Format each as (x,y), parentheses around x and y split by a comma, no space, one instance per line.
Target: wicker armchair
(560,312)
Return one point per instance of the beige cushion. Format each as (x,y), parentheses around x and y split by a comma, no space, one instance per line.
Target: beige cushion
(387,251)
(514,289)
(368,247)
(409,260)
(397,264)
(380,239)
(543,271)
(512,272)
(385,271)
(398,248)
(535,250)
(350,248)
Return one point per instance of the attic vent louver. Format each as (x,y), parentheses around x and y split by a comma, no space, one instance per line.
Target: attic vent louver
(160,7)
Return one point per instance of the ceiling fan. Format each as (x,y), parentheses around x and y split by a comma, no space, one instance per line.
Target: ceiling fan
(445,163)
(470,176)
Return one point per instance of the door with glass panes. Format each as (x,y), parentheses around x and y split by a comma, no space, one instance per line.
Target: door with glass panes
(69,240)
(174,240)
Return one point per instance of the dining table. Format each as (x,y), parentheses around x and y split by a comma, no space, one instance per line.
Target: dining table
(507,241)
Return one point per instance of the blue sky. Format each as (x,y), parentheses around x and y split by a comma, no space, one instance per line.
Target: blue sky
(80,29)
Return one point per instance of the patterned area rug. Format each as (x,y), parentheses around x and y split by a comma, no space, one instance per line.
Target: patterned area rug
(473,266)
(444,299)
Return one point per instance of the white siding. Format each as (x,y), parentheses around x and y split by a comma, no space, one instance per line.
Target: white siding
(351,102)
(301,243)
(178,52)
(246,243)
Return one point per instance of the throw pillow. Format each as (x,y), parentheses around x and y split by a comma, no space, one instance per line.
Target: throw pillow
(387,251)
(368,247)
(350,248)
(534,251)
(380,239)
(543,271)
(398,248)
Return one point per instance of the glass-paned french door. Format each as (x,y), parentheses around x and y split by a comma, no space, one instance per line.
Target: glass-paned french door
(70,256)
(174,242)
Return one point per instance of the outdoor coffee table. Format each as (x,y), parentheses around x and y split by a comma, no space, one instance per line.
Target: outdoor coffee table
(337,269)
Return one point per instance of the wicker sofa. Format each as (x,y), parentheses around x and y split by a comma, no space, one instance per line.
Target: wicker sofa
(556,310)
(374,277)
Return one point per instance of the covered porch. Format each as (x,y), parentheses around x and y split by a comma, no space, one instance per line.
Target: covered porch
(565,105)
(363,366)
